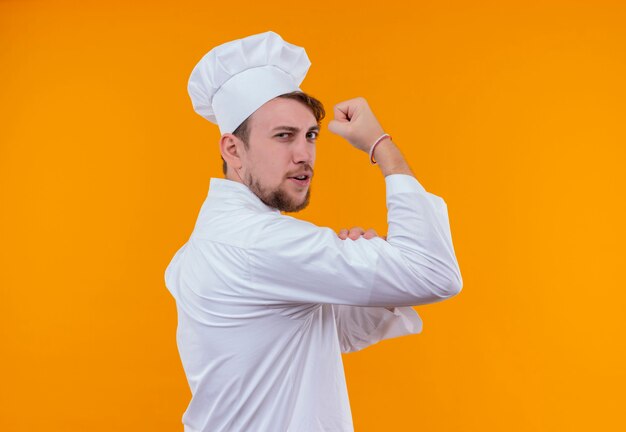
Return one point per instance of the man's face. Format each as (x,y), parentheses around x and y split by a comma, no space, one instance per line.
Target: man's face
(282,138)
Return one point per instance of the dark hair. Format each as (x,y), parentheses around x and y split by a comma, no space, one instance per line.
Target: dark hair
(243,130)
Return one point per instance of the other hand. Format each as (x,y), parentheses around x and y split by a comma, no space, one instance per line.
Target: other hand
(356,232)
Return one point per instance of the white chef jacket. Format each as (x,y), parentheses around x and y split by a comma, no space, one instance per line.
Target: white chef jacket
(267,303)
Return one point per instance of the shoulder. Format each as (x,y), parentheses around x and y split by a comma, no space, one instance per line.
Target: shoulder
(247,228)
(287,230)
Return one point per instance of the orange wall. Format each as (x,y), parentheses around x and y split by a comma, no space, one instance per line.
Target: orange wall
(513,112)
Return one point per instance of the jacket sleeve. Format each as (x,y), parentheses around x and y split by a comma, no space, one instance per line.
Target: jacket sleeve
(294,261)
(359,327)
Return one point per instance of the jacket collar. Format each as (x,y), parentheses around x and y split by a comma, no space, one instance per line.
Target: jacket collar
(229,191)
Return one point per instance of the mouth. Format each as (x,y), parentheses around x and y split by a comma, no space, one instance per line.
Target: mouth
(301,180)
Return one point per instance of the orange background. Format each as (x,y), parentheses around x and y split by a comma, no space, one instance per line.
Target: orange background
(513,112)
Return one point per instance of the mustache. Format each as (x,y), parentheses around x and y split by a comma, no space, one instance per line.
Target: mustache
(306,169)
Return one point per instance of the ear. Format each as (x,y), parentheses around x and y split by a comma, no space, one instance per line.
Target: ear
(231,148)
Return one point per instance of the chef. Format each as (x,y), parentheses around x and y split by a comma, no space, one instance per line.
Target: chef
(267,302)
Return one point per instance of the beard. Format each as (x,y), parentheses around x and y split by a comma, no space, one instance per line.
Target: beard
(277,198)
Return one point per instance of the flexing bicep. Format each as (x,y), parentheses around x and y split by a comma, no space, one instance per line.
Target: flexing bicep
(295,261)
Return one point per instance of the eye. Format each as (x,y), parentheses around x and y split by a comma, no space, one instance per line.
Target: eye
(315,134)
(282,133)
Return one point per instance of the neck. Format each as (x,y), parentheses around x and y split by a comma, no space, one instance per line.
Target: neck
(236,177)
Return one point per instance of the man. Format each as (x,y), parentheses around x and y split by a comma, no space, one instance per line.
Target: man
(266,302)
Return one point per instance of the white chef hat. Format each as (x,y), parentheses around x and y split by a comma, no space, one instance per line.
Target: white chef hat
(234,79)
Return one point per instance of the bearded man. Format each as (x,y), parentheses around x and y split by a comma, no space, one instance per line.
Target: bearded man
(267,302)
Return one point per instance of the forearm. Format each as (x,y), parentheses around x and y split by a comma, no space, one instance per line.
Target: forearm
(390,159)
(359,327)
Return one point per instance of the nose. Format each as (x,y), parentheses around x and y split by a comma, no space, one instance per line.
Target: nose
(304,151)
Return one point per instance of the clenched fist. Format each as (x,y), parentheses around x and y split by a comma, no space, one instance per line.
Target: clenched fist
(355,121)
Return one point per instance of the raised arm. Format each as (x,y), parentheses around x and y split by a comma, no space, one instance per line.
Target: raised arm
(293,261)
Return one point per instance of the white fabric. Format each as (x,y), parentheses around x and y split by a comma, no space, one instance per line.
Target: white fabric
(267,302)
(235,78)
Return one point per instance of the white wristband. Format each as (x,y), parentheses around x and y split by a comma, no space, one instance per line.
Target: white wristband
(383,136)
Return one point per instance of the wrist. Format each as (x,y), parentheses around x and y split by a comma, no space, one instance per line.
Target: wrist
(390,159)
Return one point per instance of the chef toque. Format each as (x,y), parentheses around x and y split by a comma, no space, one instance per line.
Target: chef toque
(234,79)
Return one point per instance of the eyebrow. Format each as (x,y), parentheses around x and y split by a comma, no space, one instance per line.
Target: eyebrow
(295,129)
